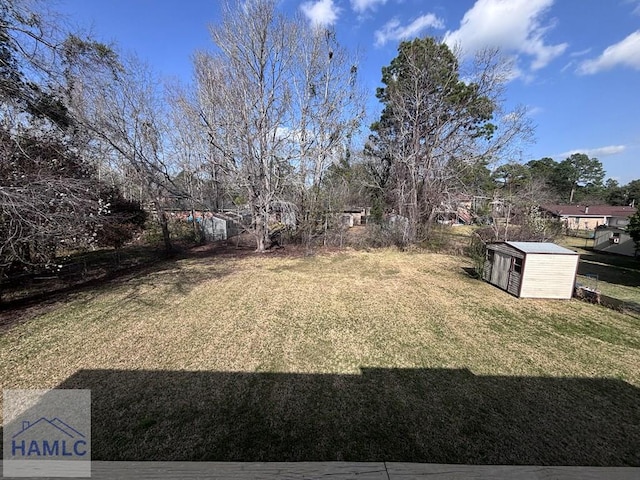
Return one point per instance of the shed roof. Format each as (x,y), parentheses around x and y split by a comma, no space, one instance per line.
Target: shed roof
(541,247)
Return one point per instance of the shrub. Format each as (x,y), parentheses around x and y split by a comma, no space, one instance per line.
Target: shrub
(476,251)
(380,236)
(124,219)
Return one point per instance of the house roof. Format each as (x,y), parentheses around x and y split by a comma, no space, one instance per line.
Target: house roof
(540,247)
(590,210)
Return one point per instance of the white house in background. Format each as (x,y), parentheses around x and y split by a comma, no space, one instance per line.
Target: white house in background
(532,269)
(614,240)
(590,217)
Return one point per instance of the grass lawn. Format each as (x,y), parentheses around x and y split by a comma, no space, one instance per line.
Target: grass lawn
(356,356)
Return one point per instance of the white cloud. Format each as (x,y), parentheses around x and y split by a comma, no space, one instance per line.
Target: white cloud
(595,152)
(626,52)
(532,111)
(361,6)
(574,55)
(567,66)
(321,12)
(580,53)
(513,26)
(393,30)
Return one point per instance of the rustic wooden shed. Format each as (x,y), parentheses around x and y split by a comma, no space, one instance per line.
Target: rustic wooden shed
(532,269)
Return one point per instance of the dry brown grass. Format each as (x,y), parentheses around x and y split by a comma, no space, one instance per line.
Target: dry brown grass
(332,314)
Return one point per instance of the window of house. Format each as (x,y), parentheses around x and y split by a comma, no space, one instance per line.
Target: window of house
(517,265)
(490,254)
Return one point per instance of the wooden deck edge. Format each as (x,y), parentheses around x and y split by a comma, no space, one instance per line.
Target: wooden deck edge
(405,471)
(349,470)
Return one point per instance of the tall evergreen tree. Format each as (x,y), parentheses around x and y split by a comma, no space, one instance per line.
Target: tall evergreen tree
(435,124)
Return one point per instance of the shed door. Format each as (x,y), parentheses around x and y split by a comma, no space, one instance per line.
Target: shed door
(500,270)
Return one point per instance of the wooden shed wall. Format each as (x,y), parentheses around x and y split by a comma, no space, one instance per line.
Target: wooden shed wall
(514,278)
(549,276)
(514,283)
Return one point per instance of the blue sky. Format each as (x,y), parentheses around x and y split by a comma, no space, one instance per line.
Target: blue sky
(577,61)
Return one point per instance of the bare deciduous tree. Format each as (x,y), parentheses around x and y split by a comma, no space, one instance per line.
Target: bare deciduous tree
(124,111)
(278,101)
(329,110)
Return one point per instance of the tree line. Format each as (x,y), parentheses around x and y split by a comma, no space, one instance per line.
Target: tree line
(272,126)
(576,179)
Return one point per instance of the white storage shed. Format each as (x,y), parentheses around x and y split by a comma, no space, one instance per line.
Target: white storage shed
(532,269)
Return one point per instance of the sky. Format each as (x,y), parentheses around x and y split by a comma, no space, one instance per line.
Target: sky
(577,62)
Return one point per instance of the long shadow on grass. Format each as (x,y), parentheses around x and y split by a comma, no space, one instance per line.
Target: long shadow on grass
(609,258)
(610,268)
(412,415)
(609,274)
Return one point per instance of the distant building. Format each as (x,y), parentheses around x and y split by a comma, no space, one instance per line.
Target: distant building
(214,228)
(590,217)
(214,225)
(355,216)
(455,209)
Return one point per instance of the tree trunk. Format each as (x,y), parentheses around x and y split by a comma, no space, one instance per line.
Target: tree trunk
(506,227)
(413,211)
(164,226)
(166,237)
(261,231)
(197,232)
(428,225)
